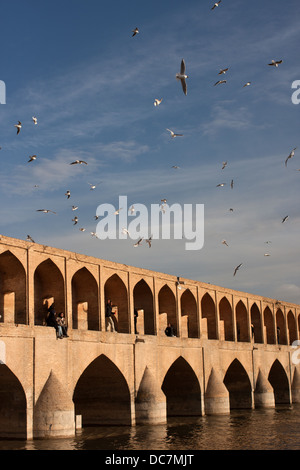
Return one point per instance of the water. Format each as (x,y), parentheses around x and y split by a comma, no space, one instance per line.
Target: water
(270,429)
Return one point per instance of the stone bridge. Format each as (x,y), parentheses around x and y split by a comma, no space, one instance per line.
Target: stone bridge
(231,349)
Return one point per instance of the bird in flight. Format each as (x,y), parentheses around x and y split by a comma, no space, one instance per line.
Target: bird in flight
(46,211)
(182,77)
(138,243)
(135,31)
(223,71)
(68,194)
(18,126)
(149,240)
(284,219)
(30,239)
(219,82)
(237,268)
(247,84)
(290,156)
(78,162)
(74,208)
(157,102)
(275,63)
(224,242)
(75,220)
(224,165)
(220,185)
(216,4)
(34,120)
(173,134)
(32,158)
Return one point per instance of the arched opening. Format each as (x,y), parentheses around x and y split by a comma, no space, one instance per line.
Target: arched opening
(279,381)
(48,289)
(182,390)
(256,324)
(242,324)
(12,289)
(143,303)
(239,386)
(208,310)
(189,313)
(269,326)
(12,406)
(85,305)
(116,291)
(280,328)
(167,309)
(102,396)
(226,322)
(292,327)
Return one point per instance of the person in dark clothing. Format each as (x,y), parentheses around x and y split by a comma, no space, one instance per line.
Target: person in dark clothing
(169,331)
(51,319)
(135,320)
(108,316)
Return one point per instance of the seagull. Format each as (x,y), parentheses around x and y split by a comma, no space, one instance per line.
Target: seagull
(46,211)
(82,229)
(34,120)
(157,102)
(220,184)
(18,126)
(237,268)
(224,165)
(268,241)
(74,208)
(247,84)
(224,242)
(173,134)
(149,240)
(163,200)
(216,4)
(176,167)
(290,155)
(179,282)
(182,77)
(138,243)
(94,234)
(275,63)
(132,210)
(78,162)
(30,239)
(231,184)
(124,231)
(223,71)
(75,220)
(118,211)
(32,158)
(284,219)
(135,32)
(68,194)
(219,82)
(267,254)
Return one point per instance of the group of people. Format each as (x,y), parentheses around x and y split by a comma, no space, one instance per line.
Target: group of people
(58,322)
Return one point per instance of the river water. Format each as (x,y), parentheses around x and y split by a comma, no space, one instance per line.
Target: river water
(269,429)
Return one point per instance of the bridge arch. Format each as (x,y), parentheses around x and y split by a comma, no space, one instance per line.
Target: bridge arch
(279,380)
(116,291)
(182,390)
(189,308)
(167,308)
(242,322)
(143,300)
(12,289)
(269,325)
(225,312)
(49,287)
(13,405)
(256,324)
(292,327)
(85,305)
(239,386)
(281,327)
(101,395)
(208,312)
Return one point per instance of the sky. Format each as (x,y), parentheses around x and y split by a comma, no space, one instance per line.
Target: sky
(76,67)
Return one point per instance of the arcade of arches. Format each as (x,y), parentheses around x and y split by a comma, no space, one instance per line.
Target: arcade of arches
(230,349)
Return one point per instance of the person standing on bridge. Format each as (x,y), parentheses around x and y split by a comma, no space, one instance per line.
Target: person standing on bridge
(108,316)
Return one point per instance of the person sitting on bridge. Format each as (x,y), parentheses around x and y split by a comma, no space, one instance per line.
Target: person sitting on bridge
(51,319)
(169,331)
(62,324)
(108,316)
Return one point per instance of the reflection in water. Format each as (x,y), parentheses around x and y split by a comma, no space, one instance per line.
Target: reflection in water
(269,429)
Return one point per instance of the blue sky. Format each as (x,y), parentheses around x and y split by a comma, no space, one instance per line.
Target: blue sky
(76,67)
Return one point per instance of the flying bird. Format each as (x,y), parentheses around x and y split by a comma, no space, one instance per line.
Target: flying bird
(74,208)
(224,165)
(30,239)
(32,158)
(34,120)
(78,162)
(275,63)
(46,211)
(223,71)
(138,243)
(18,126)
(117,212)
(237,268)
(247,84)
(224,242)
(173,134)
(157,102)
(182,77)
(75,220)
(176,167)
(219,82)
(135,31)
(267,254)
(149,240)
(216,4)
(284,219)
(94,234)
(220,184)
(290,156)
(82,229)
(231,184)
(68,194)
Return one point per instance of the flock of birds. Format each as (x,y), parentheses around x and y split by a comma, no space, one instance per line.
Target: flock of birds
(182,77)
